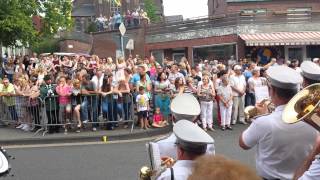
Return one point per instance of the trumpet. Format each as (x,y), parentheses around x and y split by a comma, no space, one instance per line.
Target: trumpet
(304,106)
(251,112)
(146,173)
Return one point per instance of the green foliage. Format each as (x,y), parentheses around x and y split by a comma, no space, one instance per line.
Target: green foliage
(151,9)
(47,45)
(16,20)
(92,28)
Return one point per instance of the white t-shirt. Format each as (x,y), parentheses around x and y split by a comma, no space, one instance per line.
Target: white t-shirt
(225,91)
(281,147)
(97,81)
(252,82)
(238,82)
(142,102)
(173,77)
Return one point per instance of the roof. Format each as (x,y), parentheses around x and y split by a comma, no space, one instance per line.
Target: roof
(86,10)
(282,38)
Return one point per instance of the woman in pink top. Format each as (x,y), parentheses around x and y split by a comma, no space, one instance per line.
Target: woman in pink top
(64,91)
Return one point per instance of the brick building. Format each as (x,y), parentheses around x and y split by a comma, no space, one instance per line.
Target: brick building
(257,30)
(288,42)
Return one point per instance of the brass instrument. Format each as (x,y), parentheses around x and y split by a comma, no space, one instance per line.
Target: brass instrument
(251,112)
(146,173)
(304,106)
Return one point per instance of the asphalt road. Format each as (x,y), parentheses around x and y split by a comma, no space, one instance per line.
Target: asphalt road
(119,161)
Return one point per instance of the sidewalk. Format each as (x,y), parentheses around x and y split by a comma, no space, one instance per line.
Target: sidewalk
(10,136)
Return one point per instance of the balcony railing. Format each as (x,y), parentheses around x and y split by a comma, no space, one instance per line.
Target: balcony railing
(230,20)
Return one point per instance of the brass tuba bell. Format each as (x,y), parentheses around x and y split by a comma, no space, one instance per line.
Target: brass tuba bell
(305,105)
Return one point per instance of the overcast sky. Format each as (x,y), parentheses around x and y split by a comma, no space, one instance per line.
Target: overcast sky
(187,8)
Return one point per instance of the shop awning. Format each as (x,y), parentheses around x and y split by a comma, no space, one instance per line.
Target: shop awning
(281,38)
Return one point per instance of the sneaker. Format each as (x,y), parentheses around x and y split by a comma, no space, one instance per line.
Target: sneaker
(229,127)
(223,128)
(78,130)
(243,122)
(94,129)
(211,129)
(26,127)
(20,126)
(205,129)
(85,121)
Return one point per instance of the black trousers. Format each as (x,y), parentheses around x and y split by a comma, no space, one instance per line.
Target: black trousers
(53,118)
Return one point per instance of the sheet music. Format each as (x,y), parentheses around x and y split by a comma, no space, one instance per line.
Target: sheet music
(154,155)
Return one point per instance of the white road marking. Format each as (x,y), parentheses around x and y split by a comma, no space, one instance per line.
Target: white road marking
(79,143)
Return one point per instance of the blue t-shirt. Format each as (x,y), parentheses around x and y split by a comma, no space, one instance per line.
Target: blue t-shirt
(136,78)
(247,75)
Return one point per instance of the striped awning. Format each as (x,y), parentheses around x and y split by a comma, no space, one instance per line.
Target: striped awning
(281,38)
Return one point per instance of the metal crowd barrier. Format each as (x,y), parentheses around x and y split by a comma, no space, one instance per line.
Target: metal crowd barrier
(48,114)
(17,110)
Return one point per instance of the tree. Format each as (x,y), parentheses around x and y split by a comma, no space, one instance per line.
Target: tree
(16,25)
(151,9)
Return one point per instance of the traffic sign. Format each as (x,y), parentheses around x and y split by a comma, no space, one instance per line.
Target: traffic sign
(122,29)
(130,44)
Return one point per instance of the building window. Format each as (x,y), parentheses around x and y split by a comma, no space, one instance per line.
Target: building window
(78,25)
(114,7)
(298,11)
(253,12)
(158,55)
(219,52)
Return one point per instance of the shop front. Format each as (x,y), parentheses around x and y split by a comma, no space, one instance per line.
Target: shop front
(221,52)
(286,45)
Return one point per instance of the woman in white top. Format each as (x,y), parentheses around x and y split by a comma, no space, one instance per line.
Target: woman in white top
(225,103)
(254,82)
(206,95)
(121,65)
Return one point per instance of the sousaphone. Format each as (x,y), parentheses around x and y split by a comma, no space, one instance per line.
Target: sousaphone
(304,106)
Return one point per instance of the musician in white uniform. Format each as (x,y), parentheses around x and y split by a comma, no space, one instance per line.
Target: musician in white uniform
(310,72)
(310,169)
(190,144)
(281,147)
(184,106)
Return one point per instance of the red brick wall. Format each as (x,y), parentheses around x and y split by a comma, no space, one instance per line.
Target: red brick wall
(104,45)
(78,47)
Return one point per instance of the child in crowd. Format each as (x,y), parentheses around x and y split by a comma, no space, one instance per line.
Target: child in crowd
(64,91)
(225,96)
(76,102)
(142,108)
(158,119)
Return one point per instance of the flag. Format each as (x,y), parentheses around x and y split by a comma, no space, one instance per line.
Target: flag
(117,2)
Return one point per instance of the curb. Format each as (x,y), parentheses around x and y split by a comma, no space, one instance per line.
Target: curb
(92,138)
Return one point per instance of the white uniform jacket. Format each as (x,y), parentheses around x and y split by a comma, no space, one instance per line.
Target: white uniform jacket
(182,169)
(281,147)
(313,172)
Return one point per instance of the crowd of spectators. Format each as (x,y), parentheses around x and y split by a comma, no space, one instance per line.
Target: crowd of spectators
(223,88)
(129,18)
